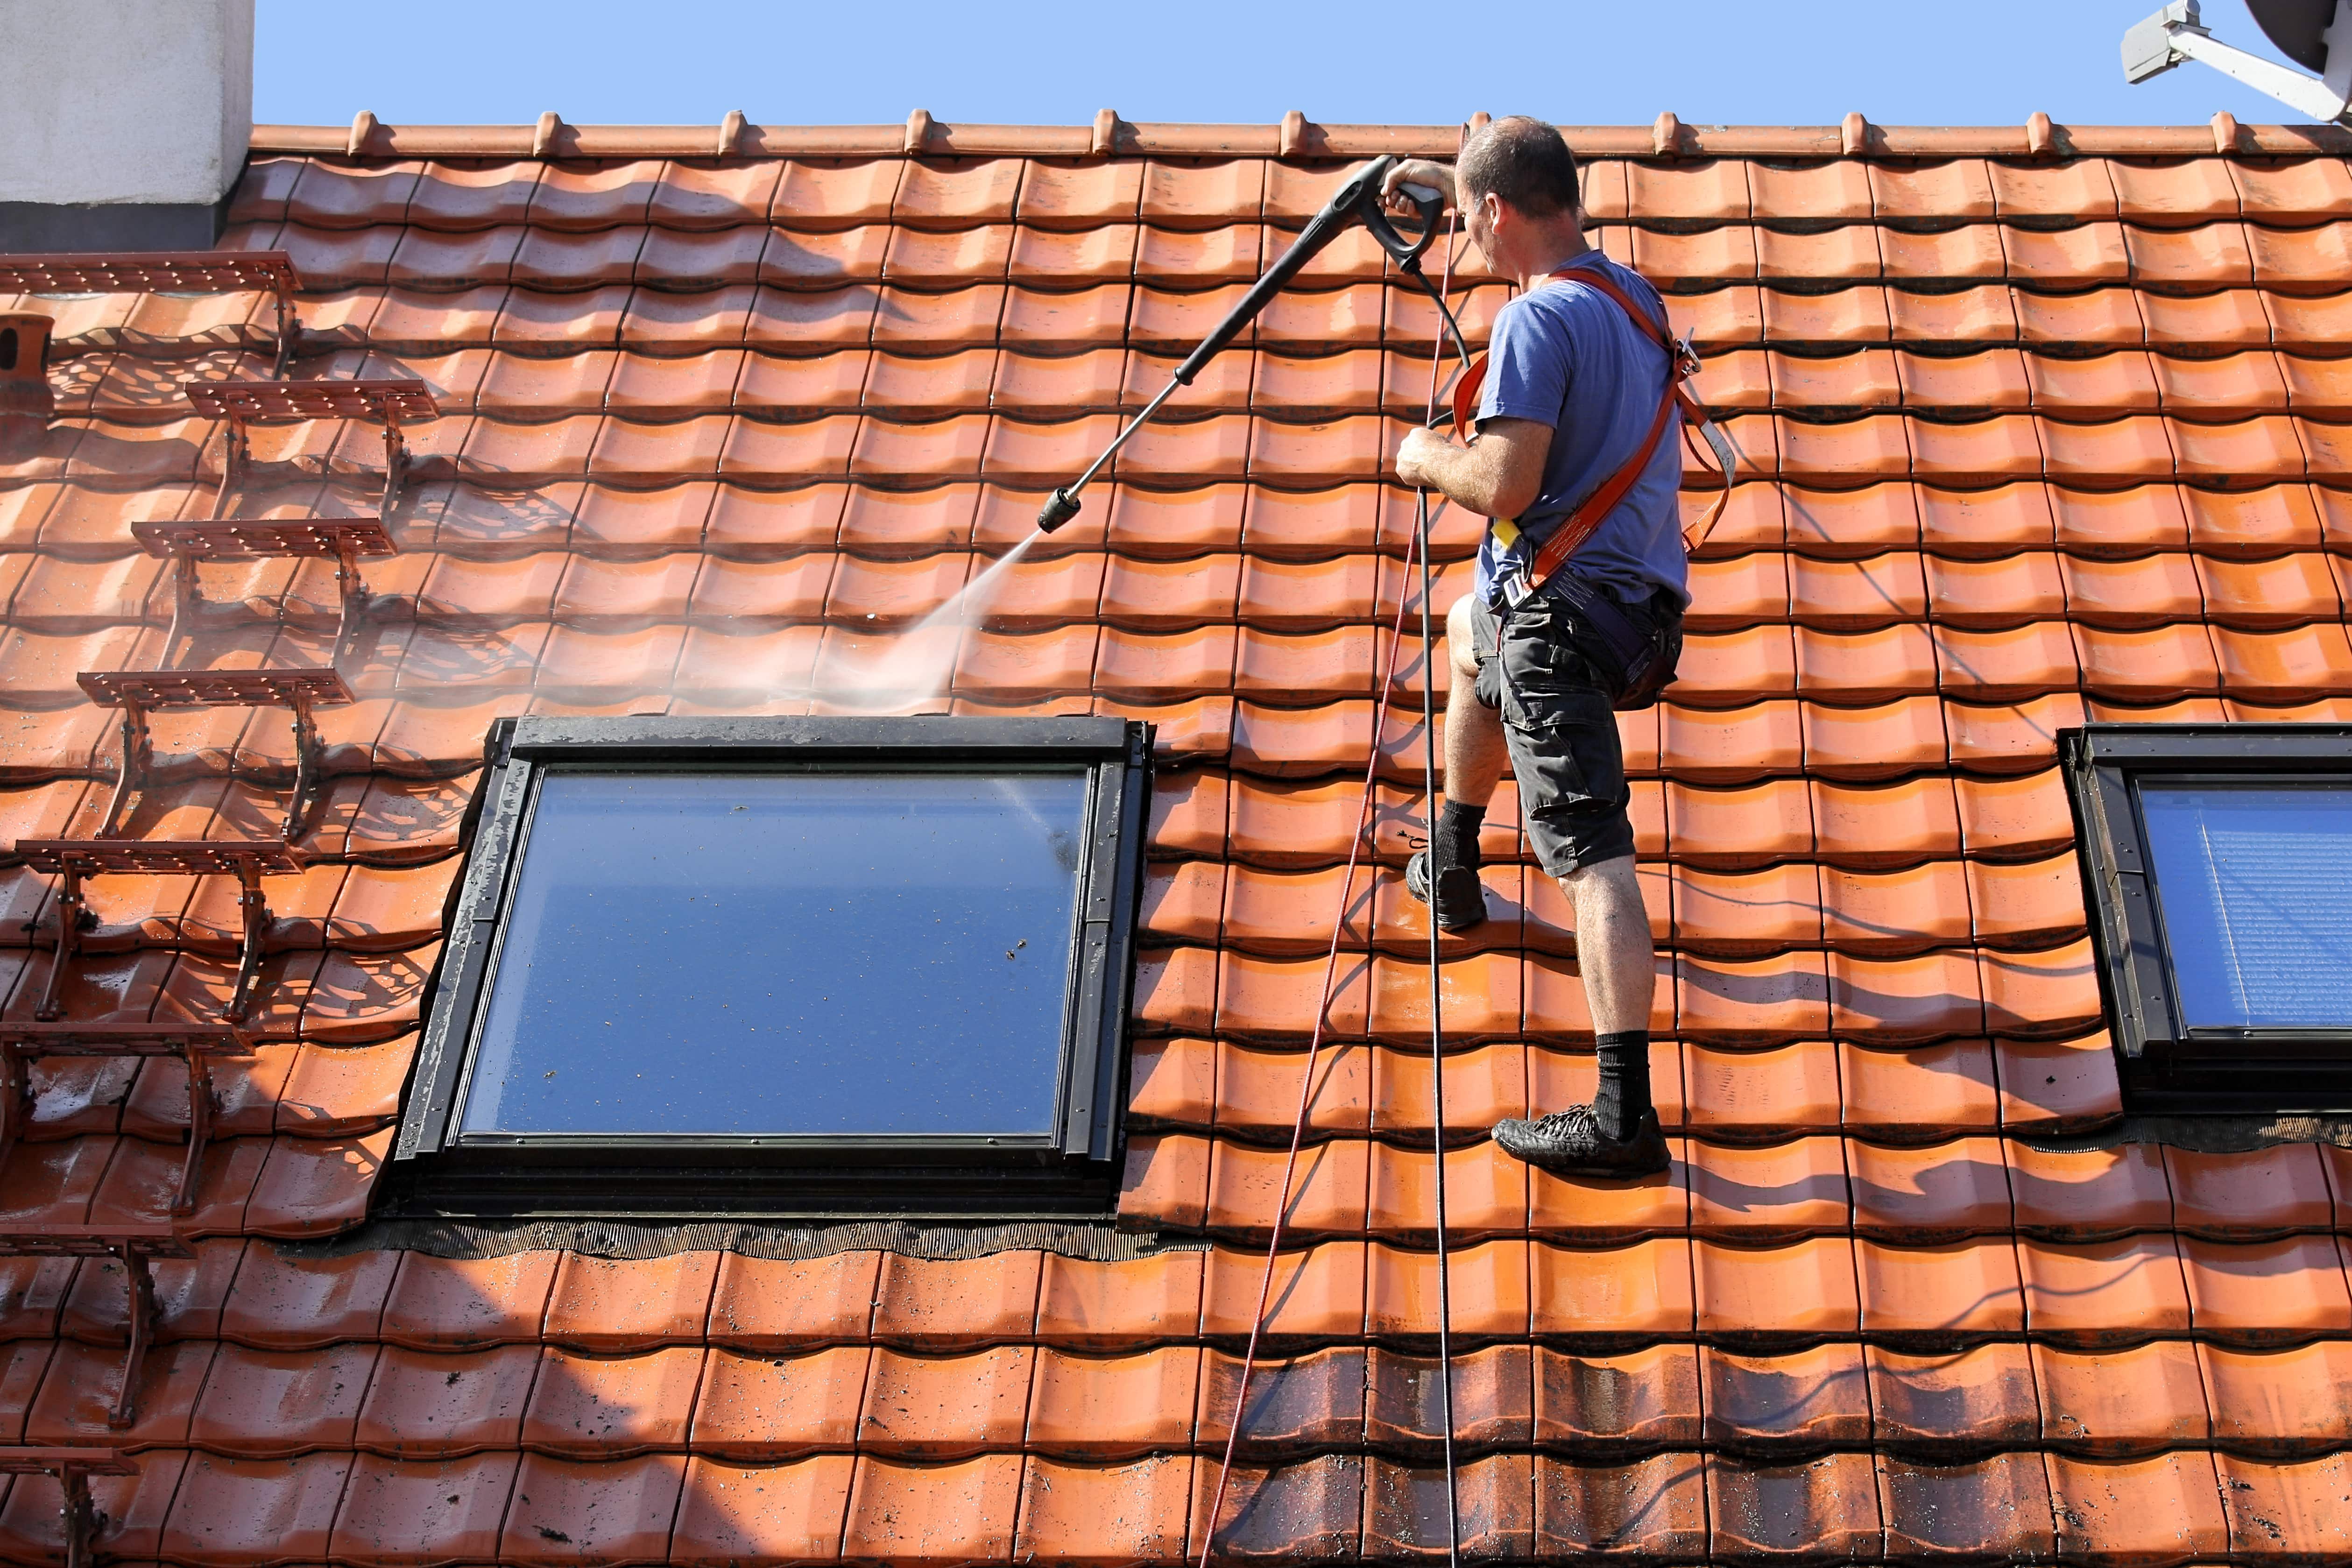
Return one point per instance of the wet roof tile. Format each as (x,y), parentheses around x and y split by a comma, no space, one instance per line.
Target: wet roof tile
(269,1510)
(1997,1506)
(450,1304)
(77,1389)
(589,1407)
(621,1510)
(1827,1504)
(424,1510)
(1981,1395)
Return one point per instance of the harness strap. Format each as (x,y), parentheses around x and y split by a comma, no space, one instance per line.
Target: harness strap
(1579,524)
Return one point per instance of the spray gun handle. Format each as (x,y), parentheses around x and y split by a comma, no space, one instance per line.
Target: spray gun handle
(1405,252)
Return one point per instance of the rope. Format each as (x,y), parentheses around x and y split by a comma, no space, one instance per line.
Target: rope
(1417,553)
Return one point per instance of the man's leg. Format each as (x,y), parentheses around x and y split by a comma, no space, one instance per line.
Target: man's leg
(1620,966)
(1475,753)
(1612,945)
(1446,874)
(1574,799)
(1617,1134)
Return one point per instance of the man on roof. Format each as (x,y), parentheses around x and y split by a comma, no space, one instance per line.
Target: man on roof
(1569,404)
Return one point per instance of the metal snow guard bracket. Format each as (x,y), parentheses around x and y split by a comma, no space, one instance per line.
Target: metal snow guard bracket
(253,539)
(73,861)
(73,1468)
(161,272)
(136,691)
(251,402)
(194,1042)
(342,539)
(131,1245)
(391,404)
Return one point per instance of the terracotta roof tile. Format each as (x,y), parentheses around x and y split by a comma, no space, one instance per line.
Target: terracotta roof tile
(1827,1506)
(421,1405)
(1983,1396)
(1657,1505)
(730,1512)
(2121,1400)
(2267,1291)
(2270,1399)
(620,1511)
(1127,1512)
(588,1406)
(439,1304)
(2128,1510)
(78,1392)
(899,1513)
(266,1510)
(1997,1506)
(424,1510)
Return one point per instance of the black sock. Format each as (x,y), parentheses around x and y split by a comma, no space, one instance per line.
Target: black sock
(1624,1091)
(1455,842)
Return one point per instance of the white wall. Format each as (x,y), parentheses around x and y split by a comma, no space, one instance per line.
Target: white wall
(124,100)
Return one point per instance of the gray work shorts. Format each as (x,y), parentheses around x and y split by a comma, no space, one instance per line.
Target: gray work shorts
(1559,724)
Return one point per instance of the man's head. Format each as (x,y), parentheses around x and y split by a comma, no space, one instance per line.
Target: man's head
(1516,182)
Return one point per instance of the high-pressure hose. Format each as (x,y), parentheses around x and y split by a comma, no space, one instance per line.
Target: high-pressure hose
(1429,674)
(1420,557)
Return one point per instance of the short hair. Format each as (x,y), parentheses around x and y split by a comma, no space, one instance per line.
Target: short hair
(1523,159)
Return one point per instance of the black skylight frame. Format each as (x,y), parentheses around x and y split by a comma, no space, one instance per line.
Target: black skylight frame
(437,1171)
(2169,1067)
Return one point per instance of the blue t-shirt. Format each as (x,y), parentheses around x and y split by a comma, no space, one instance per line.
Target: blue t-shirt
(1565,355)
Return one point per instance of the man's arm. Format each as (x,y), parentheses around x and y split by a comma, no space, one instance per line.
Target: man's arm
(1499,475)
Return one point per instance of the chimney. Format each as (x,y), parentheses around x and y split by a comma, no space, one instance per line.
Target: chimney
(123,123)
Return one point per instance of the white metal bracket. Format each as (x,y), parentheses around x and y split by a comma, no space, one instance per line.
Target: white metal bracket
(2176,33)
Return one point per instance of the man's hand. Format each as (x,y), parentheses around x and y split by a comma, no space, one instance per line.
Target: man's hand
(1421,453)
(1499,476)
(1415,171)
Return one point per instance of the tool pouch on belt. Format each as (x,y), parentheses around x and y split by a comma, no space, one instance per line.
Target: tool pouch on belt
(1639,661)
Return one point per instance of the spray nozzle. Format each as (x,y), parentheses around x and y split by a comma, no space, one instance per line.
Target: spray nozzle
(1059,507)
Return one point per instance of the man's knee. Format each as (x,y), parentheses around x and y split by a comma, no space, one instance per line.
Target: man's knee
(1617,872)
(1611,886)
(1462,637)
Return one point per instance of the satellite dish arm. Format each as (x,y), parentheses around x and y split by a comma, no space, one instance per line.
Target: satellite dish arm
(2173,35)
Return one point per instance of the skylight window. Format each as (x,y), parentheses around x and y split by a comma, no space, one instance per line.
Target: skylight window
(2222,906)
(2251,883)
(793,966)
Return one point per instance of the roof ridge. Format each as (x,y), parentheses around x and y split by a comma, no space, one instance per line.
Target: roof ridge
(1296,138)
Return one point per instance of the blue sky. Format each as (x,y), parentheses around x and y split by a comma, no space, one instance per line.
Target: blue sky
(1901,62)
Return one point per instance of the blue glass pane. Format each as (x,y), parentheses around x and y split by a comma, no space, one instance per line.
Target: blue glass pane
(822,954)
(2255,887)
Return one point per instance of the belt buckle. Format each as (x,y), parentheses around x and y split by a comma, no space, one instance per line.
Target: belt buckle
(1517,589)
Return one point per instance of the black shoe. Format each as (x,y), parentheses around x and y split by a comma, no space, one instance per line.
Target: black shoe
(1571,1143)
(1461,902)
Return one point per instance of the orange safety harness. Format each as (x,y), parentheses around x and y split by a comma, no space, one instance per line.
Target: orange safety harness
(1682,364)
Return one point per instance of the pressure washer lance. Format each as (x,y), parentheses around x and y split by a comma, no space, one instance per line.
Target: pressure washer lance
(1359,198)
